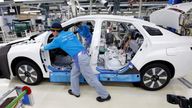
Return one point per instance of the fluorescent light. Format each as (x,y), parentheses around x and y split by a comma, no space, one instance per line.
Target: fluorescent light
(24,0)
(31,12)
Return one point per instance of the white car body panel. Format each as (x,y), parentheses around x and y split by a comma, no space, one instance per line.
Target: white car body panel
(31,50)
(3,44)
(169,47)
(162,17)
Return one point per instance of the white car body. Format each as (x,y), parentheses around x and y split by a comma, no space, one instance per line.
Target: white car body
(168,48)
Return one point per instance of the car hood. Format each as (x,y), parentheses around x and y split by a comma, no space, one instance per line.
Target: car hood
(19,40)
(34,38)
(3,44)
(15,41)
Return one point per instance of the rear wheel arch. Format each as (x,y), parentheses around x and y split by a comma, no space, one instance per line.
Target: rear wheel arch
(168,64)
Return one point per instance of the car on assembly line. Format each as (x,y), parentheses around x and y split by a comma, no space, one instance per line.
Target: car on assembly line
(123,49)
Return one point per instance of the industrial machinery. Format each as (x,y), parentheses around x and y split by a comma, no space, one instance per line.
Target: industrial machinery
(182,101)
(176,18)
(20,26)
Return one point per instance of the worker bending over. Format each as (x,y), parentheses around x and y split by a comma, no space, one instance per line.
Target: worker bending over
(69,42)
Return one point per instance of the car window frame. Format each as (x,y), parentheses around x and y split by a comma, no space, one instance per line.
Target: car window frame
(153,35)
(136,25)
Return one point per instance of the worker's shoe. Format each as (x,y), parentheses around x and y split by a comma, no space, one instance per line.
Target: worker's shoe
(103,99)
(71,93)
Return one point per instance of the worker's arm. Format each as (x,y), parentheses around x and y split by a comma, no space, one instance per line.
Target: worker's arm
(54,44)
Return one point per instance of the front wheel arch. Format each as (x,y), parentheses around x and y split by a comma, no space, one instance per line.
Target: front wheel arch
(21,59)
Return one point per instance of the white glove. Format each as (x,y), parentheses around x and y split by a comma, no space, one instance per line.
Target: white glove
(42,48)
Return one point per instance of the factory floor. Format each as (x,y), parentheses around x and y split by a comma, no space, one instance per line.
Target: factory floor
(124,95)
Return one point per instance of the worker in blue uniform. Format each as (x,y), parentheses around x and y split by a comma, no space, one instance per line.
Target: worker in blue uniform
(84,31)
(69,42)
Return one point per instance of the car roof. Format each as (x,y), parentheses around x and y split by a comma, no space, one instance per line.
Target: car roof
(110,17)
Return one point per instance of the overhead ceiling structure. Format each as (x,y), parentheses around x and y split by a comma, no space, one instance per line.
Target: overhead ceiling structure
(55,5)
(83,3)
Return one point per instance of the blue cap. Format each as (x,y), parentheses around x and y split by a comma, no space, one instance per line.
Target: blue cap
(56,26)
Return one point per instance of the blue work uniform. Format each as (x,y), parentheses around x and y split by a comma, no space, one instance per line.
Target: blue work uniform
(68,42)
(84,31)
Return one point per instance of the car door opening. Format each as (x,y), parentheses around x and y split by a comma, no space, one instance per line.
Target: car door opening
(119,44)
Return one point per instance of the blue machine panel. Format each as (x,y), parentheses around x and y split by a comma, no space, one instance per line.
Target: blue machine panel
(119,77)
(59,77)
(62,77)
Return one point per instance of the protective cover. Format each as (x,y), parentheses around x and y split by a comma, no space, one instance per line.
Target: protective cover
(4,69)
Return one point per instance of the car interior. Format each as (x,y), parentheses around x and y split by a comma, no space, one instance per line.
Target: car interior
(59,58)
(119,44)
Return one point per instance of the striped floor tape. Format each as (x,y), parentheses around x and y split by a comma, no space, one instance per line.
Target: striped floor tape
(185,82)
